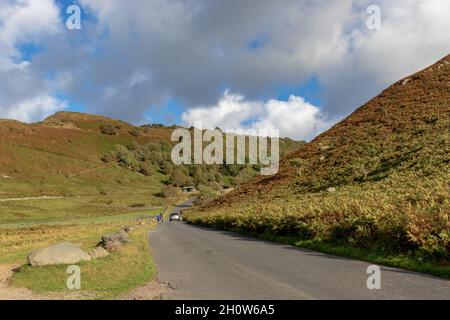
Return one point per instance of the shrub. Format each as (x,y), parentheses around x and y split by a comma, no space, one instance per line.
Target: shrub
(125,157)
(179,179)
(135,132)
(169,191)
(146,169)
(108,129)
(138,205)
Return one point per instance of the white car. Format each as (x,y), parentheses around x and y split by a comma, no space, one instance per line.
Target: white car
(175,217)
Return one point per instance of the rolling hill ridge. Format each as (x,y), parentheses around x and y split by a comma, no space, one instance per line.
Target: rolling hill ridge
(99,166)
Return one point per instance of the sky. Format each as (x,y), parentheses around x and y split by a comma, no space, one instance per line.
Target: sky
(294,65)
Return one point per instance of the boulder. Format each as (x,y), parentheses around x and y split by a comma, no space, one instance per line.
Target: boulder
(112,246)
(98,252)
(120,236)
(129,229)
(60,253)
(331,190)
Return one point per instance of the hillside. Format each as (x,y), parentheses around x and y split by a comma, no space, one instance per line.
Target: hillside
(97,165)
(379,179)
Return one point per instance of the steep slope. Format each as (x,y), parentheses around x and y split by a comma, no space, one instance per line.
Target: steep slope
(380,178)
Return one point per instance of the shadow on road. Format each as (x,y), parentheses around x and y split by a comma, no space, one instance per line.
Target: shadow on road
(309,252)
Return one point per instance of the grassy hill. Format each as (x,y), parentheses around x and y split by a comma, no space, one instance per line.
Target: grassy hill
(62,156)
(95,166)
(375,186)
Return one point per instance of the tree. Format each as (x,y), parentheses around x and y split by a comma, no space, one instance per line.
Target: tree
(125,157)
(169,191)
(146,169)
(179,179)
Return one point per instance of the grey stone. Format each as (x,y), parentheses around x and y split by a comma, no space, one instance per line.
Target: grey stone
(60,253)
(98,252)
(112,246)
(120,236)
(128,229)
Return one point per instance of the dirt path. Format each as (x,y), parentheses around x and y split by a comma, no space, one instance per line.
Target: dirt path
(30,198)
(10,293)
(151,291)
(87,171)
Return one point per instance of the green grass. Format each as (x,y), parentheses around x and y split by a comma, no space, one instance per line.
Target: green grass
(126,217)
(105,278)
(104,200)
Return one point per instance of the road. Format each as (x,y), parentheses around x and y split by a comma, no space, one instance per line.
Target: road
(201,263)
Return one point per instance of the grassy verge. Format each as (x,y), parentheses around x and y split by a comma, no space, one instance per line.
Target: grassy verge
(104,278)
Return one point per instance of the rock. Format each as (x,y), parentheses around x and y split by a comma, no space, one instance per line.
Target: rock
(331,190)
(120,236)
(98,252)
(129,229)
(381,110)
(60,253)
(112,246)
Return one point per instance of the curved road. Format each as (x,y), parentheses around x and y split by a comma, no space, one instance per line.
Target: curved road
(201,263)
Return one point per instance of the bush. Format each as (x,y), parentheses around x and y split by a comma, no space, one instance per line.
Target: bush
(125,157)
(138,205)
(169,191)
(179,179)
(135,132)
(146,169)
(108,129)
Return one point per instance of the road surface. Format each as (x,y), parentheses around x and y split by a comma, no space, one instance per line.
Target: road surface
(201,263)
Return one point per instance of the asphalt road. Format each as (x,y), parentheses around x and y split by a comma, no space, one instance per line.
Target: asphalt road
(201,263)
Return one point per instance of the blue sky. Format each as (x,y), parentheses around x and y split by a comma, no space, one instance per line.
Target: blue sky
(299,67)
(170,112)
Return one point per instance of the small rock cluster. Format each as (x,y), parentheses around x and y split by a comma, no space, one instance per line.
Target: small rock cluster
(69,253)
(113,242)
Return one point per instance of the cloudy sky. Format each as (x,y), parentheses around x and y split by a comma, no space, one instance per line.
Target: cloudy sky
(295,65)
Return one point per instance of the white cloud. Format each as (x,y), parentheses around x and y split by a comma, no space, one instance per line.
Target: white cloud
(140,54)
(294,118)
(36,108)
(24,21)
(194,48)
(24,94)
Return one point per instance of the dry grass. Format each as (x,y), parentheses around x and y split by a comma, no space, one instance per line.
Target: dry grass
(104,278)
(16,244)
